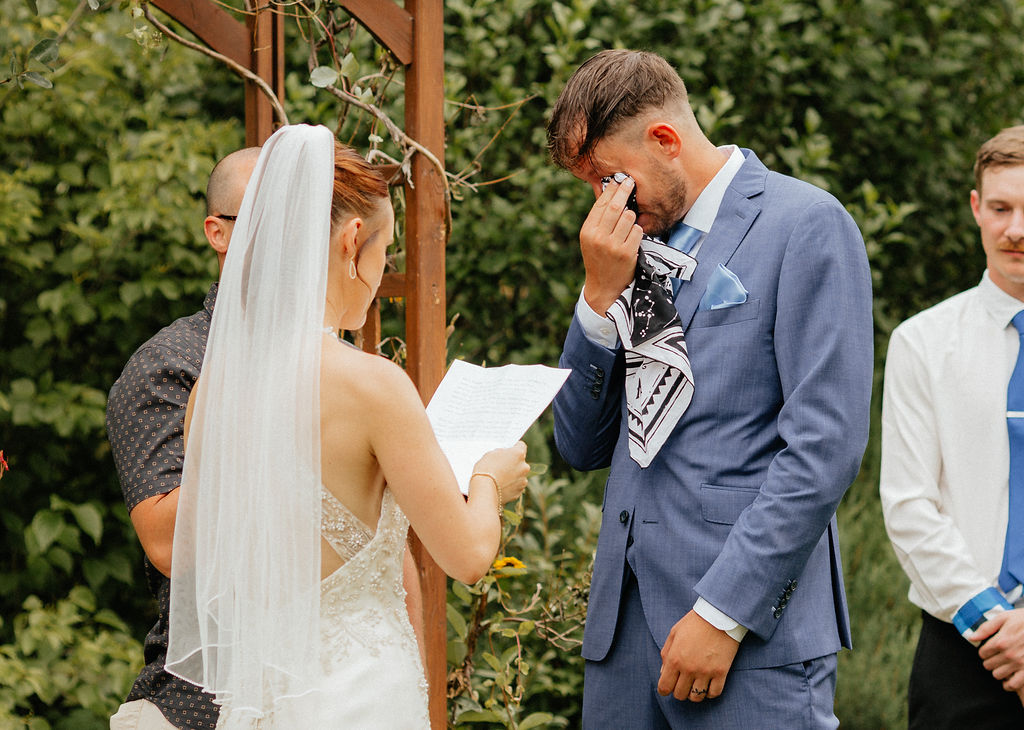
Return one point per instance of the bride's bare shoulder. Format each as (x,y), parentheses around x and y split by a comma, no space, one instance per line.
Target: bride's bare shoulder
(354,373)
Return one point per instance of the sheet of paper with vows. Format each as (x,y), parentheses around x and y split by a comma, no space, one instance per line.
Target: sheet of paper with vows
(477,409)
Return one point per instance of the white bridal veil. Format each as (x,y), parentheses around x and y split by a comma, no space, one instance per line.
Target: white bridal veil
(245,598)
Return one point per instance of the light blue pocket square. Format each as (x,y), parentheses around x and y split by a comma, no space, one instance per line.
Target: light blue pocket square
(724,290)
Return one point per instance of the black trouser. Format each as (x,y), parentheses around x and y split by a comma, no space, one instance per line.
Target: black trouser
(950,689)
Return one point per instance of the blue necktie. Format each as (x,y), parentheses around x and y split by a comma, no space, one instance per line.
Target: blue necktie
(1012,572)
(682,238)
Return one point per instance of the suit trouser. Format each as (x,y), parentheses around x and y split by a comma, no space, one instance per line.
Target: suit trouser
(139,715)
(621,691)
(951,689)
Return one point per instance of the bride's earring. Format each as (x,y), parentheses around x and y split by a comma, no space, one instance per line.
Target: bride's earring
(352,273)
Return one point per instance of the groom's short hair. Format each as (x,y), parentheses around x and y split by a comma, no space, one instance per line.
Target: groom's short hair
(606,91)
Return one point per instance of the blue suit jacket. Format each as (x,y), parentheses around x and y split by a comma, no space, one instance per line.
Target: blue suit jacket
(739,505)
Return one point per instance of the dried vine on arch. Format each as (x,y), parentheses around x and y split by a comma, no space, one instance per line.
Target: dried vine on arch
(337,46)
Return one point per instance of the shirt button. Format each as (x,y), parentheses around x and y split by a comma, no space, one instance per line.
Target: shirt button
(629,541)
(623,516)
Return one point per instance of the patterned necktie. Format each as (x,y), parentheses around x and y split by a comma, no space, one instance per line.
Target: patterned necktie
(659,381)
(1012,572)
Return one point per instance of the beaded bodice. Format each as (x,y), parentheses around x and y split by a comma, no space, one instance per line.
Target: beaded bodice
(362,603)
(372,677)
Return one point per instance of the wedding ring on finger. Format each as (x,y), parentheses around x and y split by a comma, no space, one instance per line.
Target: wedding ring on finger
(698,692)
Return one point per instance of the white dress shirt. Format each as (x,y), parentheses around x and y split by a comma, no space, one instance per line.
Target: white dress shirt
(600,330)
(945,450)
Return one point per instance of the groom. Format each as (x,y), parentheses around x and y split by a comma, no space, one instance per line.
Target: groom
(733,416)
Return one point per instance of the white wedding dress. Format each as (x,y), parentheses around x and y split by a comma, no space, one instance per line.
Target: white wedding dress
(372,673)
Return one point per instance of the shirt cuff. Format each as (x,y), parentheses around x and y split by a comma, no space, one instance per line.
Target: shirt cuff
(978,610)
(719,620)
(599,330)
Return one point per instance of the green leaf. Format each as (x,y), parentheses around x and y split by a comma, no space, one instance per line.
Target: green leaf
(460,590)
(536,719)
(456,652)
(61,558)
(38,79)
(32,6)
(83,598)
(89,519)
(95,572)
(323,76)
(493,661)
(457,621)
(119,567)
(46,527)
(479,716)
(46,51)
(350,67)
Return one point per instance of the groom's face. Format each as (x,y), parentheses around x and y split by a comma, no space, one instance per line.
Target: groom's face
(660,190)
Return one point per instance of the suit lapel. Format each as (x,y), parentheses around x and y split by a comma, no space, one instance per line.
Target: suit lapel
(735,216)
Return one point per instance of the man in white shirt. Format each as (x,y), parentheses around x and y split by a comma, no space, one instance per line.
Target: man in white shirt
(945,467)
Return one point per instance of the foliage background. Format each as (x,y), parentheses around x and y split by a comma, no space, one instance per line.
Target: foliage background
(882,102)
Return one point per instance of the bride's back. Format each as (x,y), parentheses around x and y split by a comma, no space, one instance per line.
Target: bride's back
(349,395)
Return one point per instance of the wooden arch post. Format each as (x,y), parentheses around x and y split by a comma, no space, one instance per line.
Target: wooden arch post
(415,35)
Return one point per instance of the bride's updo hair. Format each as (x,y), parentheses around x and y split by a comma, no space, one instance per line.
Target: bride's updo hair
(359,187)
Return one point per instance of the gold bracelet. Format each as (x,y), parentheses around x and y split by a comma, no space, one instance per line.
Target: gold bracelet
(497,488)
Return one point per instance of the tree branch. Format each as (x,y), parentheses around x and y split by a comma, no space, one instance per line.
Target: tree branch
(237,68)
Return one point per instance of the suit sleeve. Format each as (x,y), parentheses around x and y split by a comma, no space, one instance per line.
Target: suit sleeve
(588,408)
(823,341)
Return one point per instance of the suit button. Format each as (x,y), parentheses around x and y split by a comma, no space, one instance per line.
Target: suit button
(777,613)
(629,541)
(623,516)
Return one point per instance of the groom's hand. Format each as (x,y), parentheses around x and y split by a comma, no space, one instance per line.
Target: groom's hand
(609,240)
(695,659)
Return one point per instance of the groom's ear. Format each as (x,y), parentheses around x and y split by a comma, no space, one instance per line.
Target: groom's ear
(665,137)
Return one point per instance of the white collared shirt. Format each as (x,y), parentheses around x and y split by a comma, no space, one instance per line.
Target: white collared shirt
(601,330)
(945,450)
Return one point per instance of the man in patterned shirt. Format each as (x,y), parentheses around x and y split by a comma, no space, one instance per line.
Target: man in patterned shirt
(145,425)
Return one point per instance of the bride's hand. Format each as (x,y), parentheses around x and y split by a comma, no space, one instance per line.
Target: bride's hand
(509,469)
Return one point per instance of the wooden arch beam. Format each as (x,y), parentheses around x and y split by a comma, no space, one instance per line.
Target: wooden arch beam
(391,25)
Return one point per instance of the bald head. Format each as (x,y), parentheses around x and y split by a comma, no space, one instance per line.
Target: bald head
(226,188)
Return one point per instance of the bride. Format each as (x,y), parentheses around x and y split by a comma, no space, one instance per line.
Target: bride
(306,461)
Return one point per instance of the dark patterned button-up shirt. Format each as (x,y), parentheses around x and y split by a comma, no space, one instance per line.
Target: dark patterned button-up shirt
(145,425)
